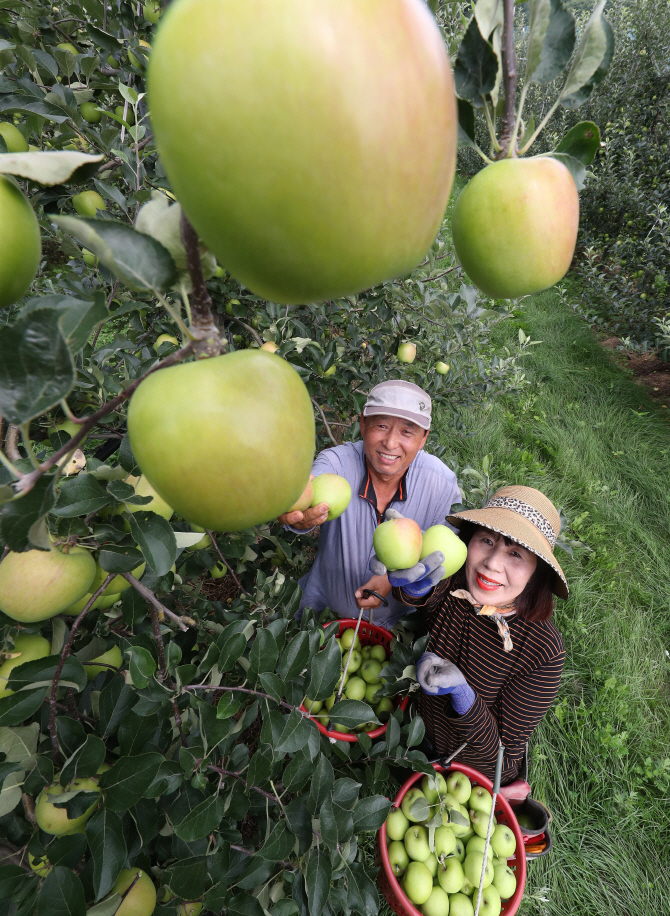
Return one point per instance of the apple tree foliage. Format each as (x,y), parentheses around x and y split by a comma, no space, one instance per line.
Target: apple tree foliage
(219,788)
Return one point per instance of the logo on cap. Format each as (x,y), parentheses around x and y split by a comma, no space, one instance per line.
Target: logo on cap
(422,405)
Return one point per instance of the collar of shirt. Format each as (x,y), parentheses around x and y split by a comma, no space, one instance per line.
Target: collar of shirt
(367,491)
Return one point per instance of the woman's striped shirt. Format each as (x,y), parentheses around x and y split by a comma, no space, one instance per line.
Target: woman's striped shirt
(513,690)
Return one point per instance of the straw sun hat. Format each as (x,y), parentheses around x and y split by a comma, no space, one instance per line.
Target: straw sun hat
(527,517)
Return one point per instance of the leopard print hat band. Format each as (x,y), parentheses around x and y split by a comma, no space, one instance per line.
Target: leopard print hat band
(533,515)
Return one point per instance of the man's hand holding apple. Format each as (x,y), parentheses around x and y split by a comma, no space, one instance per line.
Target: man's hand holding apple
(308,518)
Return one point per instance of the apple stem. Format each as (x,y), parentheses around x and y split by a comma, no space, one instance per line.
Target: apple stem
(209,342)
(509,81)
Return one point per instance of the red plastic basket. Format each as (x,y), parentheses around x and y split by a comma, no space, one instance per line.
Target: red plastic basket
(369,635)
(388,882)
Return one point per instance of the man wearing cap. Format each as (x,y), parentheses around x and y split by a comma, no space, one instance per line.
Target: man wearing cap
(389,473)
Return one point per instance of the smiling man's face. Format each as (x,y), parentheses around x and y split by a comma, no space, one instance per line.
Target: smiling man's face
(391,444)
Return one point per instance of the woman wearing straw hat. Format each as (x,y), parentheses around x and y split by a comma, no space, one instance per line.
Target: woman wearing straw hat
(494,658)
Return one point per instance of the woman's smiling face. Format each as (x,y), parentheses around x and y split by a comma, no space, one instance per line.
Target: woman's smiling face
(496,569)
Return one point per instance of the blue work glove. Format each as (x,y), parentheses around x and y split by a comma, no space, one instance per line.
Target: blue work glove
(438,677)
(417,580)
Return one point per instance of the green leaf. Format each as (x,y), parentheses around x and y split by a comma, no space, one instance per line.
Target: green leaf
(574,166)
(416,731)
(187,878)
(466,123)
(263,655)
(351,713)
(85,760)
(295,734)
(119,559)
(80,320)
(80,495)
(592,60)
(324,672)
(128,780)
(295,657)
(142,665)
(337,824)
(201,820)
(14,710)
(298,772)
(361,892)
(156,540)
(476,67)
(231,649)
(321,784)
(36,368)
(41,673)
(272,685)
(27,105)
(278,845)
(21,516)
(139,261)
(62,894)
(317,879)
(582,142)
(48,168)
(227,706)
(244,905)
(299,823)
(551,40)
(104,832)
(370,813)
(116,700)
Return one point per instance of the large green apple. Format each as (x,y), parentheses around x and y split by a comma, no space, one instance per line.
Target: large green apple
(480,822)
(416,843)
(289,132)
(437,904)
(87,203)
(68,46)
(459,786)
(89,112)
(14,139)
(490,903)
(445,842)
(472,866)
(411,796)
(157,505)
(355,689)
(460,905)
(417,883)
(504,881)
(304,501)
(20,245)
(480,799)
(333,490)
(397,543)
(476,844)
(450,875)
(396,824)
(28,647)
(348,637)
(37,584)
(503,841)
(110,657)
(141,900)
(55,820)
(433,787)
(439,537)
(227,441)
(118,583)
(384,709)
(370,671)
(406,352)
(515,226)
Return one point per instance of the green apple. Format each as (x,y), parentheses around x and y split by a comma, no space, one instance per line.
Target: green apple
(445,842)
(459,850)
(130,114)
(416,843)
(347,638)
(467,889)
(89,112)
(480,822)
(355,689)
(441,368)
(137,61)
(355,662)
(439,537)
(189,908)
(371,693)
(365,652)
(152,11)
(417,883)
(304,501)
(525,820)
(459,786)
(55,820)
(411,796)
(503,841)
(480,799)
(118,583)
(504,881)
(157,504)
(110,657)
(490,904)
(406,353)
(330,702)
(20,245)
(384,709)
(312,706)
(433,787)
(89,257)
(437,904)
(397,543)
(166,338)
(431,864)
(141,900)
(87,203)
(450,875)
(515,226)
(28,647)
(37,584)
(378,653)
(477,844)
(248,418)
(334,491)
(472,866)
(370,671)
(218,571)
(41,867)
(460,905)
(68,46)
(270,346)
(396,824)
(319,96)
(14,139)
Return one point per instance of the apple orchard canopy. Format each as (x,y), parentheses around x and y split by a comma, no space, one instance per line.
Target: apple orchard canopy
(527,517)
(397,398)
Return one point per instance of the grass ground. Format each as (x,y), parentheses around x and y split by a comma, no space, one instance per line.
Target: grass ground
(589,438)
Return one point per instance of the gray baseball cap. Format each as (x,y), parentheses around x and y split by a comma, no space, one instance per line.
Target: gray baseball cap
(397,398)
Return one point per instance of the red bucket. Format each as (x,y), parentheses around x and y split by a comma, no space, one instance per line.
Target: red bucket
(369,635)
(388,882)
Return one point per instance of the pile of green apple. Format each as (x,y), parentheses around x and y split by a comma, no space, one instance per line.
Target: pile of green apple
(435,844)
(362,681)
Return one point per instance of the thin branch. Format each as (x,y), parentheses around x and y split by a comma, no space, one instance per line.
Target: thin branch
(509,80)
(325,422)
(221,772)
(29,808)
(180,727)
(254,693)
(228,566)
(12,443)
(28,481)
(247,327)
(156,604)
(64,655)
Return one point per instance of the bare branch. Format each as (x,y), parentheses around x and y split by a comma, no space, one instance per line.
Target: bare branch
(228,566)
(509,81)
(325,422)
(254,333)
(156,604)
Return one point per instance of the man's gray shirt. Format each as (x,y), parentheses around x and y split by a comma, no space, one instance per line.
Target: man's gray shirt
(426,494)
